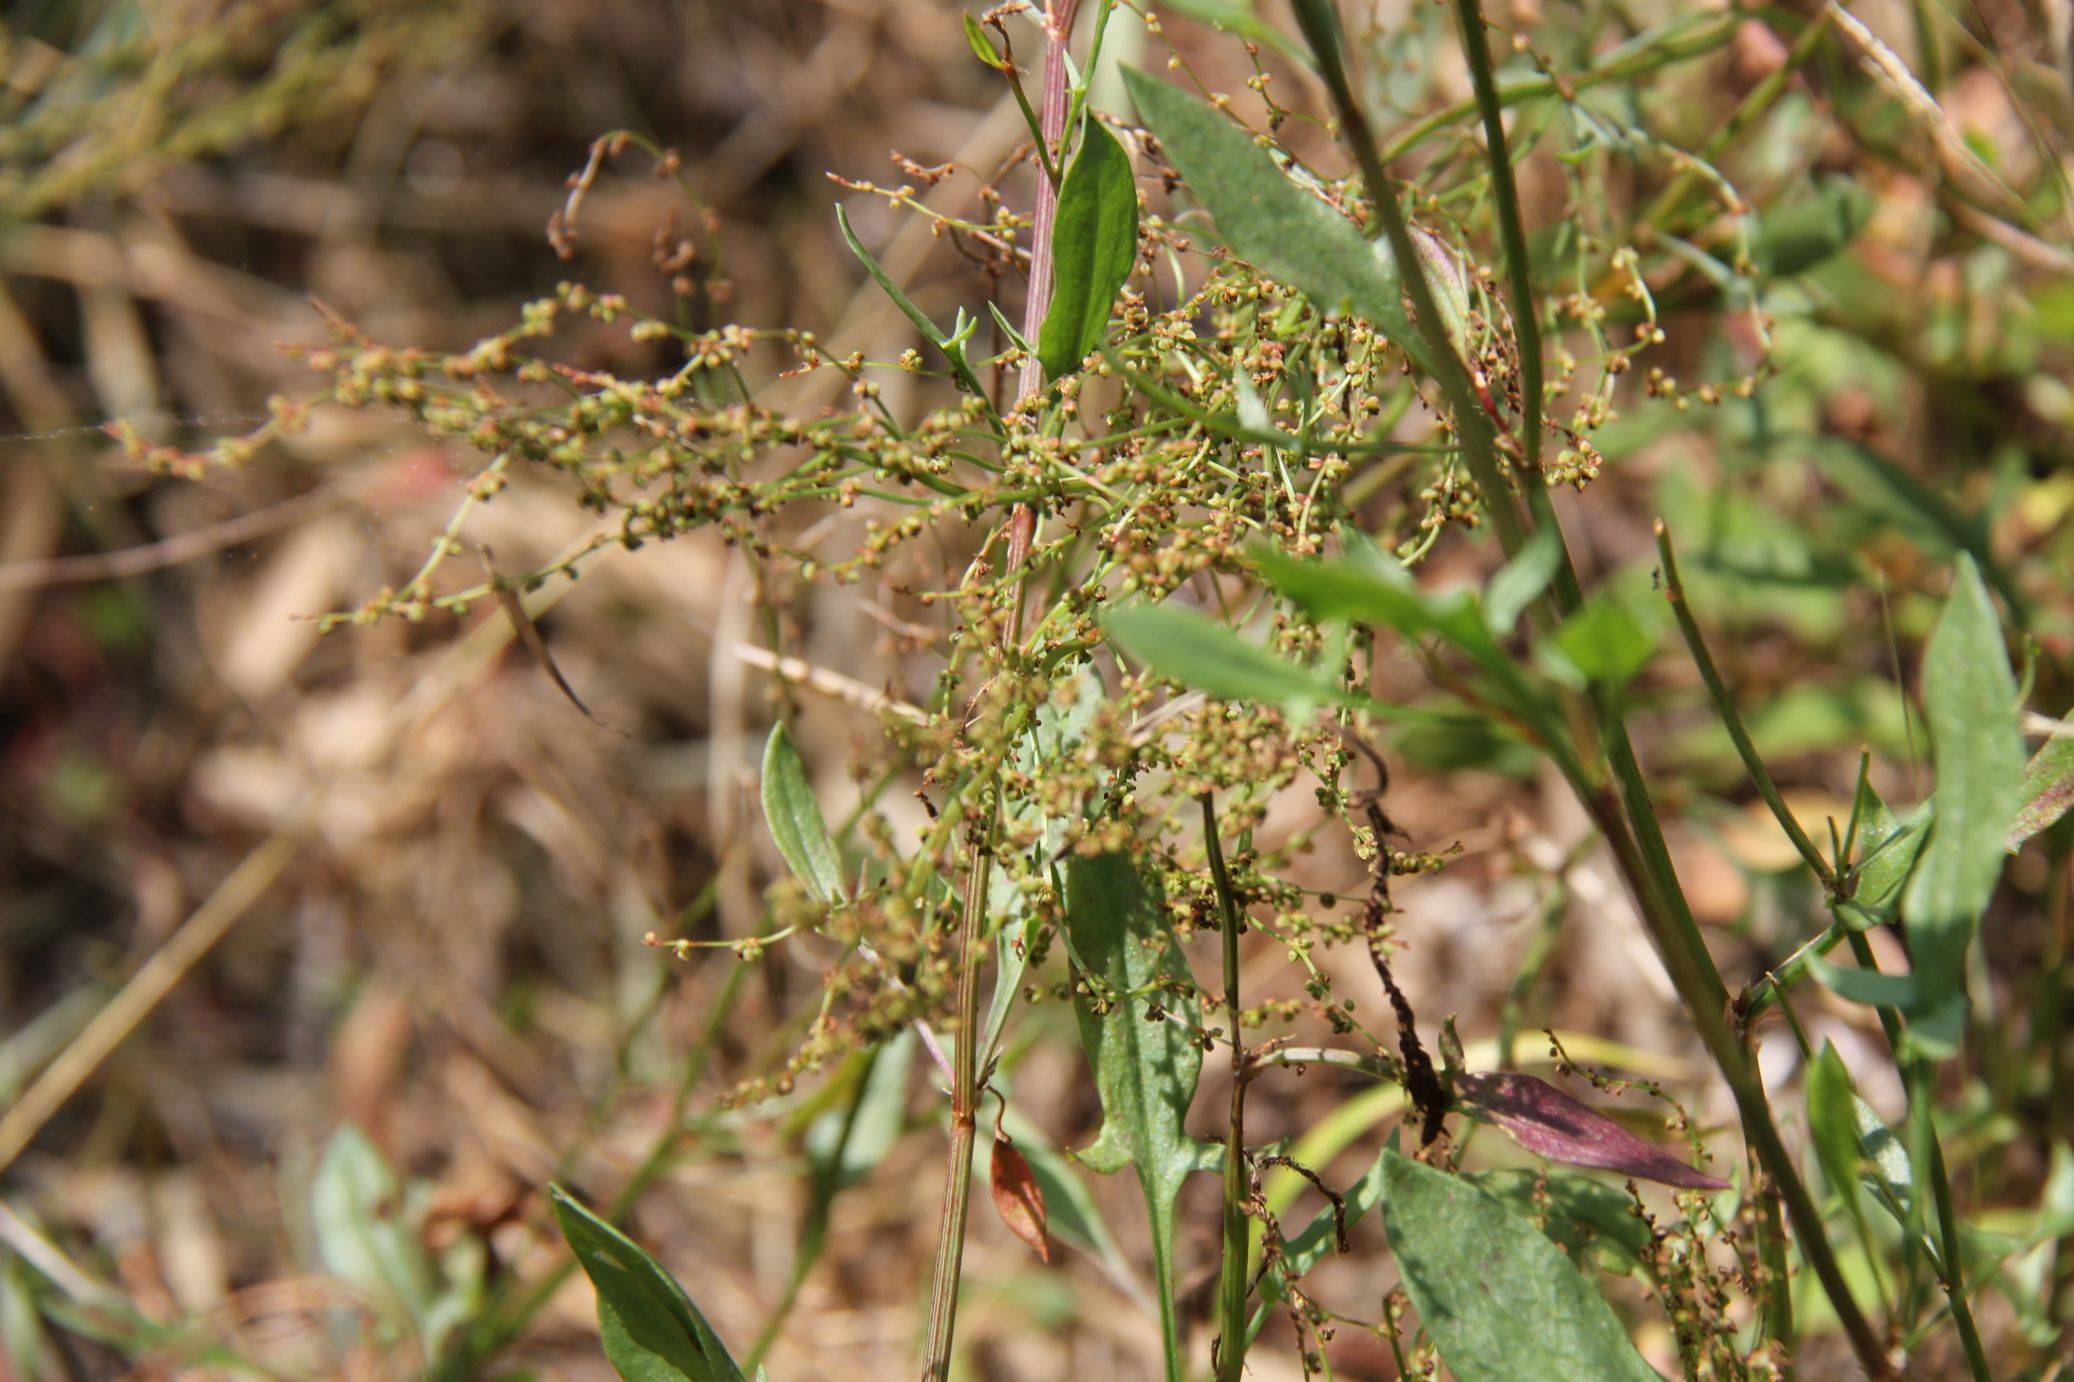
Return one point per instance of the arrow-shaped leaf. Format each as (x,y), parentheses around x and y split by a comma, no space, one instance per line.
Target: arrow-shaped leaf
(1132,979)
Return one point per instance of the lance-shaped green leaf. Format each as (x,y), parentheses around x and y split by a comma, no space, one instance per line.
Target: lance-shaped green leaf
(1969,701)
(1198,651)
(1519,582)
(1093,241)
(1133,986)
(1501,1302)
(794,819)
(1890,847)
(1833,1121)
(1365,587)
(651,1330)
(1848,1134)
(1268,220)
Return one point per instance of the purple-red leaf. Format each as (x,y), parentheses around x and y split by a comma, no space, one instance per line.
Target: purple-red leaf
(1018,1198)
(1551,1124)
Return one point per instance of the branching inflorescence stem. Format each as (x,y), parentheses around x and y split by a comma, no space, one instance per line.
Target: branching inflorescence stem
(966,1076)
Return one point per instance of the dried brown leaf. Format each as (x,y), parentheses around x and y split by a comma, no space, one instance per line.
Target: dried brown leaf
(1018,1198)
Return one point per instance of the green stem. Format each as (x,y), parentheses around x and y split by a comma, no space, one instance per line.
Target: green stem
(1922,1095)
(1626,816)
(1725,708)
(1526,324)
(1231,1286)
(965,1095)
(1918,1072)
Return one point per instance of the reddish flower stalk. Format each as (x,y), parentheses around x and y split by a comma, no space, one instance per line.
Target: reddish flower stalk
(965,1081)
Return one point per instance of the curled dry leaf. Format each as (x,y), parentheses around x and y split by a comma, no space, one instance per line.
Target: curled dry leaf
(1551,1124)
(1018,1198)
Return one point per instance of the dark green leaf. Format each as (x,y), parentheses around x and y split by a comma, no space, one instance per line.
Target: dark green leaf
(1969,702)
(1146,1060)
(1093,241)
(1795,236)
(1198,651)
(794,819)
(651,1330)
(1500,1300)
(1590,1220)
(1286,232)
(1886,856)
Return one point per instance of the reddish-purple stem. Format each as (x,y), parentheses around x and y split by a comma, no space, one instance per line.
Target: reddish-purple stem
(1051,123)
(1022,523)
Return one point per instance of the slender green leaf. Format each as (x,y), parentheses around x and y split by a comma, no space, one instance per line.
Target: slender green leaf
(1887,855)
(1362,591)
(982,46)
(953,347)
(794,819)
(1937,1017)
(1833,1119)
(1969,701)
(1500,1300)
(1093,241)
(651,1330)
(1286,232)
(1198,651)
(1132,992)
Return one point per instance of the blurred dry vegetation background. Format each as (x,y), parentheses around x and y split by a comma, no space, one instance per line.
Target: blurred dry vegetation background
(406,885)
